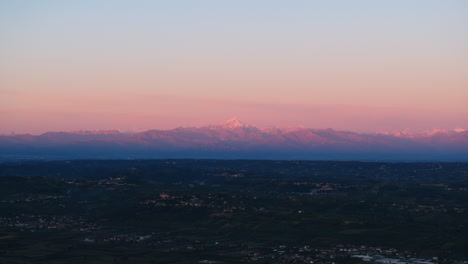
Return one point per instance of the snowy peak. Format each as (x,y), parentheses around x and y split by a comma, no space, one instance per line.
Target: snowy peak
(232,123)
(96,132)
(396,133)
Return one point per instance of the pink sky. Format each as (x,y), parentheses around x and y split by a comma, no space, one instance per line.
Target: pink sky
(57,112)
(361,66)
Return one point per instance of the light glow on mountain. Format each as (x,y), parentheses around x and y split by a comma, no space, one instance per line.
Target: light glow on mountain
(234,139)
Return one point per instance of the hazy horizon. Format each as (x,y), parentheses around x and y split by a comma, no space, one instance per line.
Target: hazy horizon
(358,66)
(138,130)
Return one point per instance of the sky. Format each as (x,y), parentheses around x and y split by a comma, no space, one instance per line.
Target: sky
(360,65)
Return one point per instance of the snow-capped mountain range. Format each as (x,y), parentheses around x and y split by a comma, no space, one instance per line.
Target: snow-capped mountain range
(234,139)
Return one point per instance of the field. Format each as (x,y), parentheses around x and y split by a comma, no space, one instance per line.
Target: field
(217,211)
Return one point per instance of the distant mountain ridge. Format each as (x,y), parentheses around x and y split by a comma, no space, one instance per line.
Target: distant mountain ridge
(234,139)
